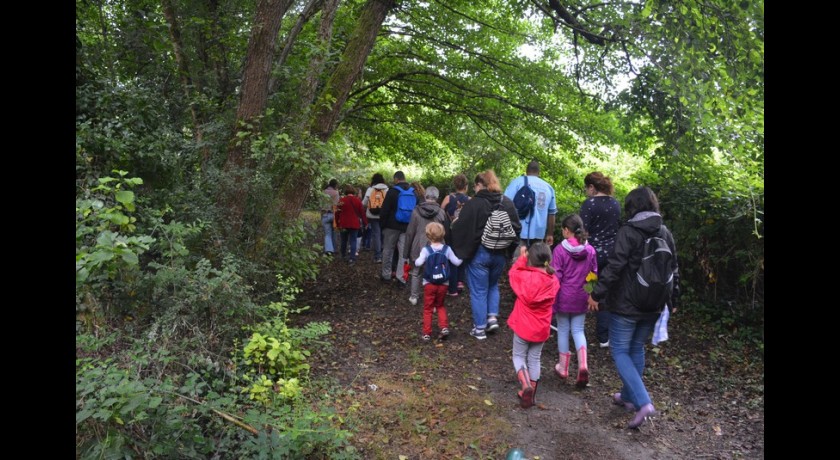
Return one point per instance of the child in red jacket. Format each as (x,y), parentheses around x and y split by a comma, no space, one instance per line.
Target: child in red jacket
(350,217)
(533,281)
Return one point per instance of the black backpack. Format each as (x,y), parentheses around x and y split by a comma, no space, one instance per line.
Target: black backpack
(436,269)
(524,200)
(651,287)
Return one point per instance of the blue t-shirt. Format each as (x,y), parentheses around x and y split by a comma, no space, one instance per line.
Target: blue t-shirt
(533,227)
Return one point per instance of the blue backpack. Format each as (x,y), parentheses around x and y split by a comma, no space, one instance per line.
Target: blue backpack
(406,202)
(524,200)
(436,269)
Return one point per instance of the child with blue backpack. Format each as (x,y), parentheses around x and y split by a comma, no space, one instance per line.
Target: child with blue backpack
(436,258)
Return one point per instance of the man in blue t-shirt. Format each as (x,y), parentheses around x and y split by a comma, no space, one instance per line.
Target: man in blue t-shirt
(539,226)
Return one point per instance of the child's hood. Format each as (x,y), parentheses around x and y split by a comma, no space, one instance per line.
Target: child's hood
(540,286)
(576,250)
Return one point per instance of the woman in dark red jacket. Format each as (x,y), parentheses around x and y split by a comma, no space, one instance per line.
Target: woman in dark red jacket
(350,217)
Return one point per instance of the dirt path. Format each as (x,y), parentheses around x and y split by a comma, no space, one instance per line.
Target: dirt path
(459,395)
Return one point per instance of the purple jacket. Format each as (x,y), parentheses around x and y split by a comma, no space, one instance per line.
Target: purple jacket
(572,262)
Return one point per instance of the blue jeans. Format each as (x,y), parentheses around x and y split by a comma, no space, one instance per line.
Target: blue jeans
(483,273)
(376,238)
(570,322)
(329,232)
(627,344)
(345,235)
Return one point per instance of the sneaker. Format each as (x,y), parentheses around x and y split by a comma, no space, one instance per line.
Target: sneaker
(604,344)
(492,324)
(426,337)
(452,294)
(377,261)
(351,261)
(444,333)
(413,300)
(478,333)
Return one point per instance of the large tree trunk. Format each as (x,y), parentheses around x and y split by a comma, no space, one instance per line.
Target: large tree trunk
(308,89)
(350,67)
(294,191)
(253,98)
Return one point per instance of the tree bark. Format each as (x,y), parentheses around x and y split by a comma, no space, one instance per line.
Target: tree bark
(184,70)
(325,120)
(253,98)
(308,89)
(350,67)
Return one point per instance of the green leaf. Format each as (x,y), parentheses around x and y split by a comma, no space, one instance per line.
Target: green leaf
(129,257)
(83,415)
(124,196)
(647,9)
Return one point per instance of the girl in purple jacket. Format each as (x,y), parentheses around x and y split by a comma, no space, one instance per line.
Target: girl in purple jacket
(572,261)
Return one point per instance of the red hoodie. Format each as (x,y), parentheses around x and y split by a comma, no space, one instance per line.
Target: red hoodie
(535,292)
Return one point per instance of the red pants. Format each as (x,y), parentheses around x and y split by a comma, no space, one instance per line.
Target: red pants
(433,295)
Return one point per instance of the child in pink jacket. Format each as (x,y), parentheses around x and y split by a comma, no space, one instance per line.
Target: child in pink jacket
(533,281)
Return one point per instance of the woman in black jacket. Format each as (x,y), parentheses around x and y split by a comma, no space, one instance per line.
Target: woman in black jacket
(484,266)
(630,327)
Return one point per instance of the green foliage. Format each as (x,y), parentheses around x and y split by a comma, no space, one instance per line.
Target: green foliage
(106,250)
(275,349)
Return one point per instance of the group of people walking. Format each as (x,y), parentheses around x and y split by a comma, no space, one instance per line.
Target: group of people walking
(466,239)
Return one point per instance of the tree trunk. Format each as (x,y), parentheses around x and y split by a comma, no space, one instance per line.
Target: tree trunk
(184,70)
(308,90)
(293,193)
(252,103)
(350,67)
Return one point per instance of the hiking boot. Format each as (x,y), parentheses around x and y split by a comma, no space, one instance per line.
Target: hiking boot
(426,337)
(413,300)
(478,333)
(444,333)
(492,324)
